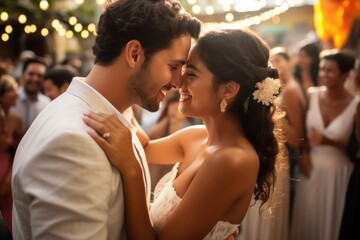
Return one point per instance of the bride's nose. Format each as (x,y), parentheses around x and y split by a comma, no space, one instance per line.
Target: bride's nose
(183,80)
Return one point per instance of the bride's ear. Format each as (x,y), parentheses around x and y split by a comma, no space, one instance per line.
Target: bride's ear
(230,90)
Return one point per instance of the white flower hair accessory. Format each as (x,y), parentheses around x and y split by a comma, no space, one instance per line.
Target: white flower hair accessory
(266,91)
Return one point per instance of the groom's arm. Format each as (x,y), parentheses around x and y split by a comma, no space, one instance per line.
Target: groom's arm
(69,182)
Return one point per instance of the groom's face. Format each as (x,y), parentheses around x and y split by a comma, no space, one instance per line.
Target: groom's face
(159,74)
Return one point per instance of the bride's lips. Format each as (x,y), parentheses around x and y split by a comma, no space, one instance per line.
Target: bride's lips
(184,95)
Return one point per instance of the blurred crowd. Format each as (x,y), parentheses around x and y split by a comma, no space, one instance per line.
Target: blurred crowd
(314,197)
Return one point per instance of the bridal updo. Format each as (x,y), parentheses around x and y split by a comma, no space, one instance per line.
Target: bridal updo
(242,56)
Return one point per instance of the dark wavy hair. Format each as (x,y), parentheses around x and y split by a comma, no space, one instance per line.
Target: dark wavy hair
(242,56)
(342,57)
(154,23)
(312,49)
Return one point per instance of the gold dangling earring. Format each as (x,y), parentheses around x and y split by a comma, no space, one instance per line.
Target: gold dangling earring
(223,105)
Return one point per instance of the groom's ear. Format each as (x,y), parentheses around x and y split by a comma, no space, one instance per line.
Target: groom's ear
(133,52)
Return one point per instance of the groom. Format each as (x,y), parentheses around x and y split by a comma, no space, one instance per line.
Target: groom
(63,185)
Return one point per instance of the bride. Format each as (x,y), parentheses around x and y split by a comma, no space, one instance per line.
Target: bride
(219,166)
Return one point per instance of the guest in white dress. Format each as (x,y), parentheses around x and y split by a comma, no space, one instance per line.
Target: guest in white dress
(325,172)
(228,84)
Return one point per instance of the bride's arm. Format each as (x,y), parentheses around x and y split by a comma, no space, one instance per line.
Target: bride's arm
(169,149)
(160,151)
(119,150)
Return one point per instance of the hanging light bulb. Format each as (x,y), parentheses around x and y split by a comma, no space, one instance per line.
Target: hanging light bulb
(22,19)
(8,29)
(209,10)
(78,27)
(72,20)
(44,5)
(91,27)
(196,9)
(229,17)
(69,34)
(5,37)
(44,32)
(85,34)
(4,16)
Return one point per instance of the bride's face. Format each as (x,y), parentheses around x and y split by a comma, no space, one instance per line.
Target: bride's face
(198,97)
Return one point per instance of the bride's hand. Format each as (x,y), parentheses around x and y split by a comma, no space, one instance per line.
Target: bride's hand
(114,138)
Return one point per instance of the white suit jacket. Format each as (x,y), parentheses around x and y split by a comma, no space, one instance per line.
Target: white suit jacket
(63,185)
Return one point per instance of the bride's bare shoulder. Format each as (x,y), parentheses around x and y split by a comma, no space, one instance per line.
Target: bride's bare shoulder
(233,161)
(193,131)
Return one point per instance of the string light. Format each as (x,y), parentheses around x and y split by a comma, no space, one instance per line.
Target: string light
(85,34)
(22,18)
(69,34)
(44,32)
(197,8)
(78,27)
(33,28)
(91,27)
(8,29)
(4,16)
(72,20)
(229,17)
(247,22)
(4,37)
(55,23)
(27,29)
(44,5)
(209,10)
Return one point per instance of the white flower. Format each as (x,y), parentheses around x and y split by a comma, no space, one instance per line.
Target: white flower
(266,91)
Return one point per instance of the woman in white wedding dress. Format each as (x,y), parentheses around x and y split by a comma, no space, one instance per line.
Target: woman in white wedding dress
(228,85)
(324,174)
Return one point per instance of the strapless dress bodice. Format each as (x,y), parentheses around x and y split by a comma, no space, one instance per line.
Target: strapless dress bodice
(165,201)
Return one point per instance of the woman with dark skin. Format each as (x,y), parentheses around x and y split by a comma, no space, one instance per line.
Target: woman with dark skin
(228,85)
(325,167)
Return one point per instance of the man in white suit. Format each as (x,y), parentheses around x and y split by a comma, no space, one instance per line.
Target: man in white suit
(63,185)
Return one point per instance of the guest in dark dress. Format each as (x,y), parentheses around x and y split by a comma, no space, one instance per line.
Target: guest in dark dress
(350,225)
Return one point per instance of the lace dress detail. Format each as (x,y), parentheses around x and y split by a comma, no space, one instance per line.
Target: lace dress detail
(166,199)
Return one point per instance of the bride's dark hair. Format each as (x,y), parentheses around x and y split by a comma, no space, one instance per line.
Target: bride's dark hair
(242,56)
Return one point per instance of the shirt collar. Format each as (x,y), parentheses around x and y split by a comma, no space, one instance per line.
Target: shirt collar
(82,87)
